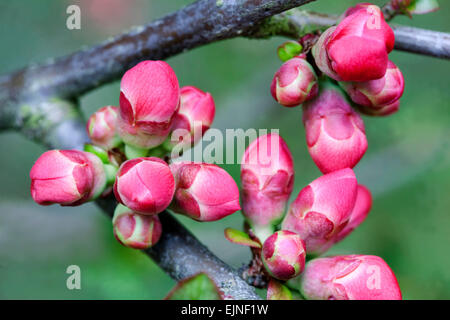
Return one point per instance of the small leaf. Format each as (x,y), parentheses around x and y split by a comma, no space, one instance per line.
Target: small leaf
(239,237)
(423,6)
(288,50)
(278,291)
(198,287)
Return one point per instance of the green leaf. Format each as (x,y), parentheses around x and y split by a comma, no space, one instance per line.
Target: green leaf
(423,6)
(198,287)
(288,50)
(278,291)
(239,237)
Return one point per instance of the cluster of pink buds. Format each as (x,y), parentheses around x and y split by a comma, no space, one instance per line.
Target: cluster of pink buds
(355,53)
(324,213)
(351,60)
(354,56)
(129,155)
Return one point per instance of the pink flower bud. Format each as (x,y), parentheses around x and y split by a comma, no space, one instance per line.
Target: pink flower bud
(294,83)
(357,49)
(204,192)
(335,133)
(360,211)
(145,185)
(149,97)
(135,230)
(283,255)
(381,111)
(67,177)
(195,116)
(101,127)
(322,209)
(377,93)
(352,277)
(267,176)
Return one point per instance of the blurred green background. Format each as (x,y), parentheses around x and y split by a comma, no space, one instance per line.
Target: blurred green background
(407,165)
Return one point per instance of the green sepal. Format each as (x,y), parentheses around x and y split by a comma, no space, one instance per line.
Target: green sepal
(132,152)
(99,152)
(278,291)
(263,232)
(158,152)
(111,172)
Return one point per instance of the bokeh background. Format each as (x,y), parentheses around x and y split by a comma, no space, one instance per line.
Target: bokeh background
(407,165)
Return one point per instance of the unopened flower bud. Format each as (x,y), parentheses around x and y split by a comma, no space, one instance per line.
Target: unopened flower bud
(359,213)
(322,209)
(351,277)
(283,255)
(357,48)
(377,93)
(194,117)
(149,98)
(267,176)
(67,177)
(289,50)
(135,230)
(101,127)
(204,192)
(335,133)
(294,83)
(145,185)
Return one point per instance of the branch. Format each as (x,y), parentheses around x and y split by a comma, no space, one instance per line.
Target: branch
(296,23)
(199,23)
(427,42)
